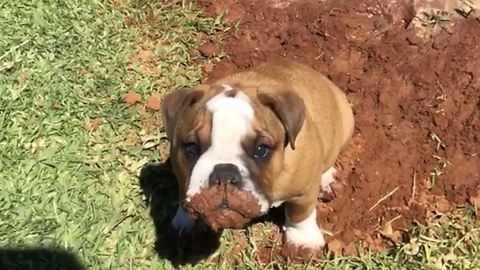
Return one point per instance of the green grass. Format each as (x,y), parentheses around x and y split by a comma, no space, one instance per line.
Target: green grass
(62,64)
(68,187)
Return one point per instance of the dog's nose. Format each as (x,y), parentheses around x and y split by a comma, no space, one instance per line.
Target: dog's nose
(225,172)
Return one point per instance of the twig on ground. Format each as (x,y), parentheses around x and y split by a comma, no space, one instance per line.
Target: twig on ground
(393,219)
(414,186)
(13,48)
(384,198)
(120,221)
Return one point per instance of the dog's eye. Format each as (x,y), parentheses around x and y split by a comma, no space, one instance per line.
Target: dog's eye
(192,150)
(261,151)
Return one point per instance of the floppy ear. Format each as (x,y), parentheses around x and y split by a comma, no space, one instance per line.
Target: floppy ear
(173,103)
(288,106)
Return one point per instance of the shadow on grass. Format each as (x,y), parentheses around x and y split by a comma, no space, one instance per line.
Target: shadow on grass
(159,185)
(38,259)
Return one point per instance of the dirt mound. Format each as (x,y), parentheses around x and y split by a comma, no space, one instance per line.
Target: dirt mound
(223,206)
(416,101)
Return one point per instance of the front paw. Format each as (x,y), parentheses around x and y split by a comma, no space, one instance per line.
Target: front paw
(302,241)
(309,238)
(182,222)
(305,234)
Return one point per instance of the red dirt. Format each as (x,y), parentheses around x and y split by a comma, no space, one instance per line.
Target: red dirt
(154,102)
(208,49)
(82,72)
(25,76)
(239,207)
(403,88)
(132,98)
(93,124)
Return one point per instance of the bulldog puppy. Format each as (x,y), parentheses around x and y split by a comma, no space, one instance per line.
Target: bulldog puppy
(276,128)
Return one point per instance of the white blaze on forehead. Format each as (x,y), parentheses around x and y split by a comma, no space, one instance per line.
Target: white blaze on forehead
(232,119)
(231,122)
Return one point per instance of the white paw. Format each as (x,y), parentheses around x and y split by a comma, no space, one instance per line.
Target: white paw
(181,222)
(305,233)
(328,178)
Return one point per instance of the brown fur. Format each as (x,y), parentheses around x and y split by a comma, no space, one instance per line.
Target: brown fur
(294,105)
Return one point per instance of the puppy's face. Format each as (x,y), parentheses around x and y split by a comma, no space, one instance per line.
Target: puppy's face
(235,134)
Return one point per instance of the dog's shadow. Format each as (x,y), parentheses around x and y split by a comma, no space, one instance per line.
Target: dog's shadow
(159,186)
(34,258)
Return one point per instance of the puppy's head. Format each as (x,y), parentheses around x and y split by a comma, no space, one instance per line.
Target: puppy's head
(235,134)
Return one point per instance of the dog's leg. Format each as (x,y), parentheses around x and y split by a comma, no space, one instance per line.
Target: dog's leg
(329,185)
(301,227)
(182,223)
